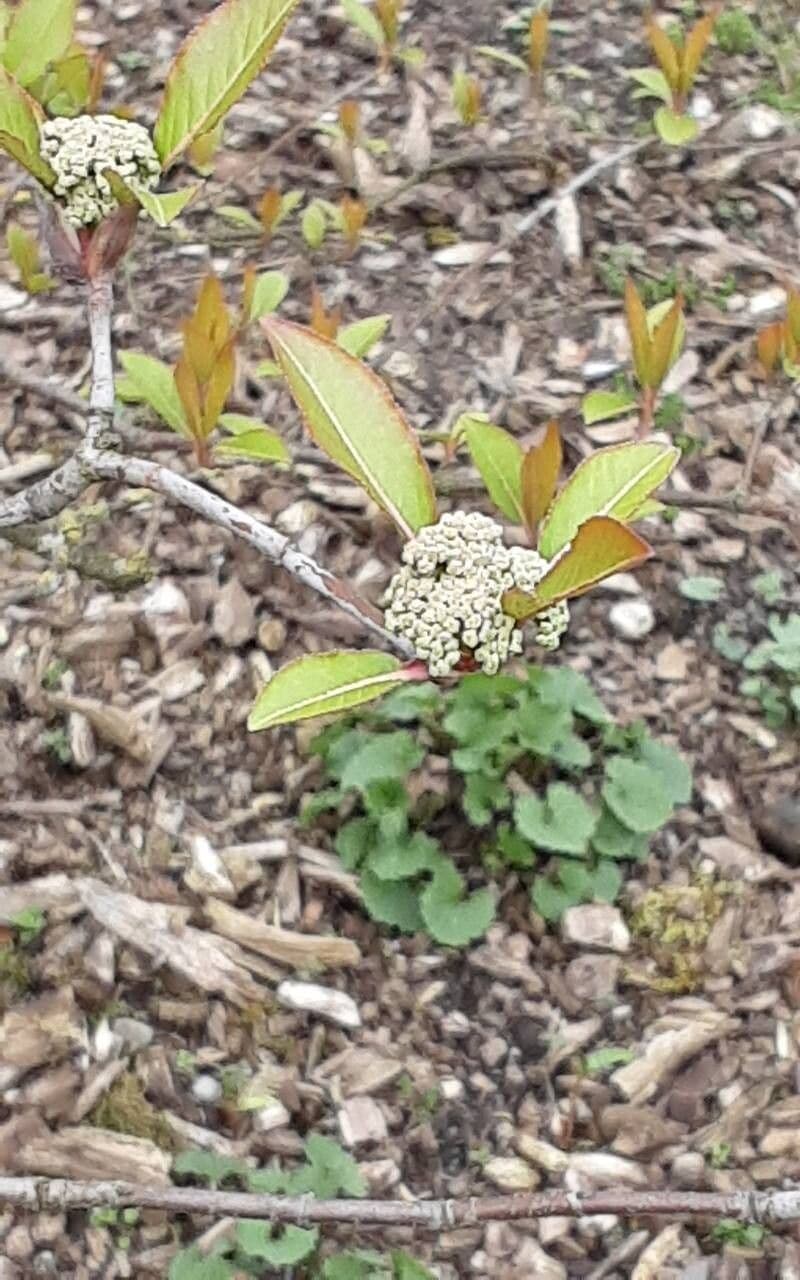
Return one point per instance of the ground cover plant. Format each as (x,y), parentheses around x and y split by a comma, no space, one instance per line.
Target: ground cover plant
(343,481)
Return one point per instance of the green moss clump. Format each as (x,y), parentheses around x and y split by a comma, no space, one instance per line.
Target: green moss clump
(15,975)
(676,921)
(125,1109)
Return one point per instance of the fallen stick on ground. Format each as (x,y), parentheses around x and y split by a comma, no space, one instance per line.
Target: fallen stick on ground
(51,1194)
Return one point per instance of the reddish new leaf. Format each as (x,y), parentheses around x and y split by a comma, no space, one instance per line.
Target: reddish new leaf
(540,470)
(601,546)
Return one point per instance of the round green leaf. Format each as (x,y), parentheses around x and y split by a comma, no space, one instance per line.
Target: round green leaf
(674,129)
(562,823)
(636,795)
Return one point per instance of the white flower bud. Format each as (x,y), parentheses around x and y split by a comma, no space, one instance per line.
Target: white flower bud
(80,150)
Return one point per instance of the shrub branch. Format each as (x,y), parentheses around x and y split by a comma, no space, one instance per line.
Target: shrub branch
(96,458)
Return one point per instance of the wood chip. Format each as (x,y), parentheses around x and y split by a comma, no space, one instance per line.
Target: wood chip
(306,951)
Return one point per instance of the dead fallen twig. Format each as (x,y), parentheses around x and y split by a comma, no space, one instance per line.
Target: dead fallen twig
(532,219)
(513,158)
(47,1195)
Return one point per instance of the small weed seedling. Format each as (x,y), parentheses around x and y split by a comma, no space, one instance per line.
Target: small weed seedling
(537,46)
(780,341)
(657,336)
(678,59)
(380,23)
(467,97)
(257,1248)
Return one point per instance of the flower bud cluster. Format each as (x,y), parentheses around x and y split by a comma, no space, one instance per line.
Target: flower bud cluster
(79,151)
(447,597)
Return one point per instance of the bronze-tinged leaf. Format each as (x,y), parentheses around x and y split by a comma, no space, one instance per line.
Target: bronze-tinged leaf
(666,54)
(663,343)
(97,79)
(541,466)
(350,120)
(248,290)
(325,323)
(768,346)
(211,312)
(269,208)
(189,394)
(388,12)
(641,346)
(693,50)
(790,344)
(793,312)
(354,217)
(601,546)
(219,387)
(538,40)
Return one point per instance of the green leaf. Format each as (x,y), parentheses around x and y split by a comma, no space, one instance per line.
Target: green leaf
(450,918)
(164,209)
(402,859)
(498,457)
(352,417)
(253,440)
(577,880)
(39,34)
(407,1268)
(725,642)
(269,369)
(611,840)
(323,683)
(362,17)
(239,216)
(314,225)
(271,288)
(152,381)
(549,900)
(676,130)
(214,67)
(603,1060)
(600,405)
(387,755)
(563,822)
(653,82)
(674,772)
(483,796)
(20,117)
(332,1172)
(354,841)
(769,586)
(209,1167)
(360,337)
(503,55)
(704,590)
(606,882)
(391,902)
(611,482)
(292,1245)
(636,795)
(191,1264)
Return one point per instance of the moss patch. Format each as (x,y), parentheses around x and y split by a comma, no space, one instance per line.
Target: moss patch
(675,921)
(125,1109)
